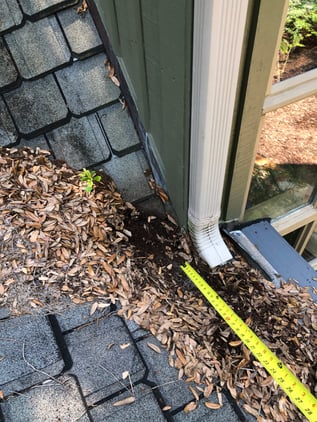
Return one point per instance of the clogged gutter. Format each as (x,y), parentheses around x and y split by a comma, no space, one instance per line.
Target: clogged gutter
(61,245)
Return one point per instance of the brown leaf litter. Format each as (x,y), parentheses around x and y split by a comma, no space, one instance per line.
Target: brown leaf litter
(82,9)
(56,238)
(60,244)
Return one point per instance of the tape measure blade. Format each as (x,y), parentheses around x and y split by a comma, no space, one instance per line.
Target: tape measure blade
(290,384)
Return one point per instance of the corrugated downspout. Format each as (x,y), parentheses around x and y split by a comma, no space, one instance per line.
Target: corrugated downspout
(217,47)
(208,242)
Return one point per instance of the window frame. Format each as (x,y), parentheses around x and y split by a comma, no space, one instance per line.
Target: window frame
(269,33)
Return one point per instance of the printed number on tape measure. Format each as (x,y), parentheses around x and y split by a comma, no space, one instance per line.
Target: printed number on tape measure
(289,383)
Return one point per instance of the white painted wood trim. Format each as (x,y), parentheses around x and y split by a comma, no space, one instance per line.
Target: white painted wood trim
(291,90)
(217,48)
(295,219)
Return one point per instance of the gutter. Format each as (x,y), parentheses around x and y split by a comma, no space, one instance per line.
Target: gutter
(219,28)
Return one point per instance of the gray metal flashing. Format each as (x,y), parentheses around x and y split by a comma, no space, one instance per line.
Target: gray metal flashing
(245,243)
(274,255)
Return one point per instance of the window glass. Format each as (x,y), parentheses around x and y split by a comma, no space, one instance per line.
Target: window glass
(298,49)
(285,170)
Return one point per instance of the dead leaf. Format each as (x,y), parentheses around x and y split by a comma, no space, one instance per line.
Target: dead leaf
(1,395)
(103,305)
(208,390)
(194,392)
(154,347)
(107,268)
(36,302)
(172,220)
(115,80)
(235,343)
(82,8)
(93,308)
(190,407)
(124,402)
(181,357)
(212,405)
(250,410)
(9,281)
(125,374)
(124,346)
(219,395)
(77,300)
(123,103)
(124,283)
(110,345)
(162,194)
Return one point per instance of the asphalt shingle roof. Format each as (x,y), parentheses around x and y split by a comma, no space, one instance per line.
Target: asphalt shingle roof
(55,94)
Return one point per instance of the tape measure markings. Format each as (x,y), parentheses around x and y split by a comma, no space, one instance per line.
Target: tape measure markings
(289,383)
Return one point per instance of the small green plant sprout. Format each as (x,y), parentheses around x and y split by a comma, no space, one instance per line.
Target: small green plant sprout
(90,177)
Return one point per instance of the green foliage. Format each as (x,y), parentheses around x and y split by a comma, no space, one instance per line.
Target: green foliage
(90,177)
(301,23)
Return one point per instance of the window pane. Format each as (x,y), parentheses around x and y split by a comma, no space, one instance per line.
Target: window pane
(298,48)
(285,171)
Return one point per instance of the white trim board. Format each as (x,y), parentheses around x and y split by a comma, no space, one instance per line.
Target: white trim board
(291,90)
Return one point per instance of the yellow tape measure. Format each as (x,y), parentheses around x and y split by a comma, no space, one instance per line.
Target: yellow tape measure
(289,383)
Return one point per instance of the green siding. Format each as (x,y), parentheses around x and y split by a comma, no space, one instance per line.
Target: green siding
(153,40)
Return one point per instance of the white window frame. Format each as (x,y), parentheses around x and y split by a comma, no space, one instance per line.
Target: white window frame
(276,96)
(281,94)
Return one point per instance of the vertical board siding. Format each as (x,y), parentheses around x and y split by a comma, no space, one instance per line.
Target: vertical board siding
(154,41)
(107,13)
(168,49)
(130,28)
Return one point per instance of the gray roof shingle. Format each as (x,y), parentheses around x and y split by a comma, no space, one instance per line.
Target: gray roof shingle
(57,398)
(8,72)
(36,104)
(119,127)
(86,86)
(38,47)
(39,342)
(57,94)
(32,7)
(80,143)
(128,175)
(10,15)
(80,31)
(8,134)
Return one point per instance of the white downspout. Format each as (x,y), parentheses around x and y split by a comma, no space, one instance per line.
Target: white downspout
(217,47)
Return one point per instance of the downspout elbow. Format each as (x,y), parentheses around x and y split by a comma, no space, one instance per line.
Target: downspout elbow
(208,241)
